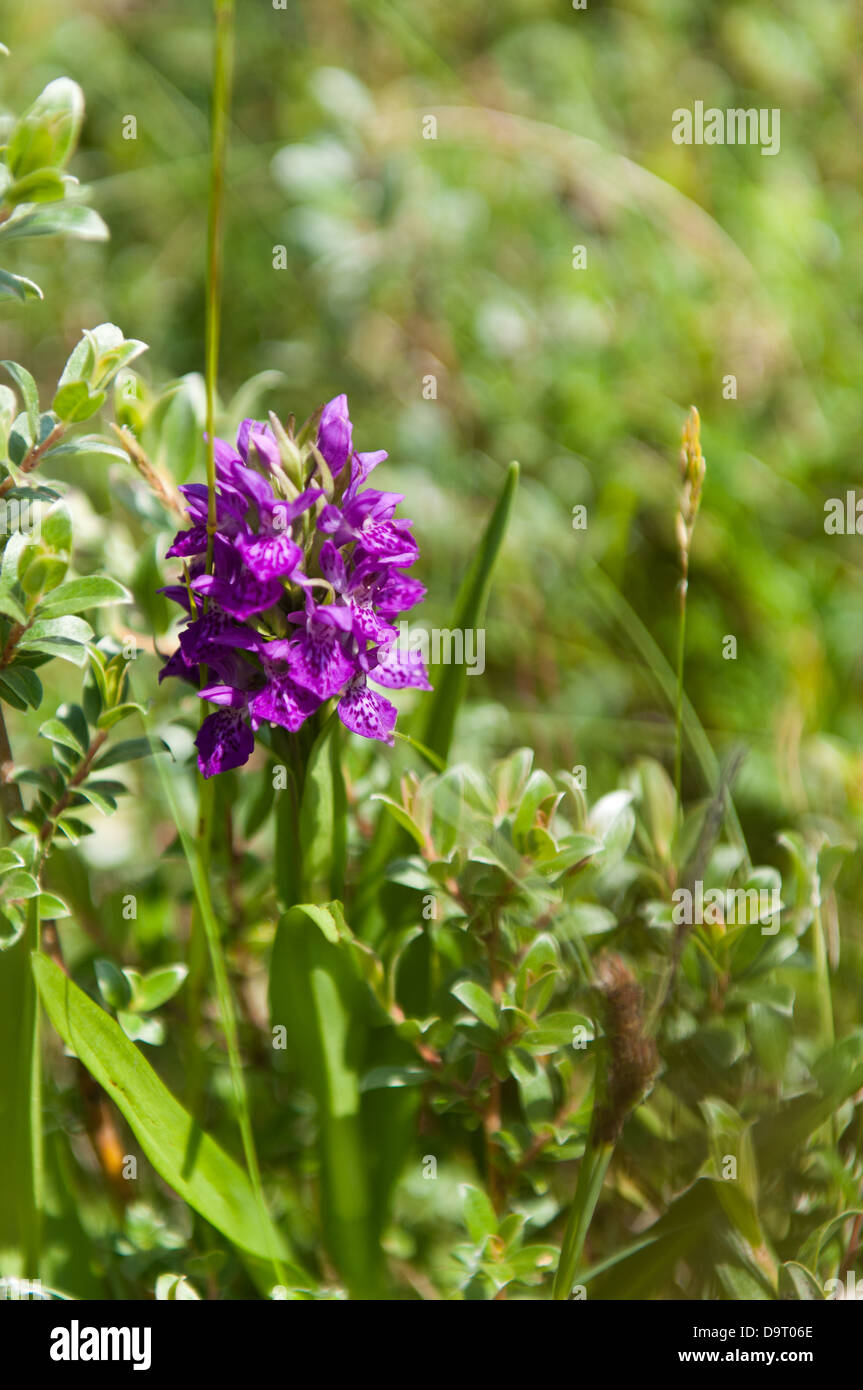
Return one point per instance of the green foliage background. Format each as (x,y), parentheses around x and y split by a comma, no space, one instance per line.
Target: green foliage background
(453,257)
(408,256)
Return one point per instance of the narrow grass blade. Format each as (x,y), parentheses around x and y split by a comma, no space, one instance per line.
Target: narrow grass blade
(612,604)
(440,711)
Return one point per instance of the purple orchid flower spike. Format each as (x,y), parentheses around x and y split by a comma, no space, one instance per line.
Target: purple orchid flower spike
(298,603)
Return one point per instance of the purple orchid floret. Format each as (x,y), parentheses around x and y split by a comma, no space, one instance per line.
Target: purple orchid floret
(399,669)
(320,659)
(261,437)
(298,602)
(224,741)
(366,712)
(335,432)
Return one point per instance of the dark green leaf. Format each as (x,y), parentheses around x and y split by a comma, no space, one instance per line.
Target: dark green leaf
(58,732)
(77,595)
(128,752)
(24,683)
(113,985)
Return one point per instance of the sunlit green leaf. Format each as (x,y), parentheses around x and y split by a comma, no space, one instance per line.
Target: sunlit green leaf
(184,1156)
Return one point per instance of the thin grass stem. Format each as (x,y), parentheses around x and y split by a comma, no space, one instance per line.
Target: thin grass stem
(678,707)
(198,854)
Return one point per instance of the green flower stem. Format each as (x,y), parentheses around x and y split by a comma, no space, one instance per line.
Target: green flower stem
(599,589)
(229,1025)
(824,1000)
(198,854)
(822,978)
(678,707)
(222,77)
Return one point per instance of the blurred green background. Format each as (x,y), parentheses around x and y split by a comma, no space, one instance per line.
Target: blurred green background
(409,257)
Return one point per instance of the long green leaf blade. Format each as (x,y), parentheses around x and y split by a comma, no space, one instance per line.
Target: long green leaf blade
(438,716)
(185,1156)
(441,710)
(20,1189)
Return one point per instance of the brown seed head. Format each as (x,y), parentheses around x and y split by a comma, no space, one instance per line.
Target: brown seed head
(632,1055)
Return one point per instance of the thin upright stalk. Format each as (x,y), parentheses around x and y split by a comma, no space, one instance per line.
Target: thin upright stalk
(692,471)
(822,977)
(222,78)
(229,1025)
(199,854)
(223,65)
(678,708)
